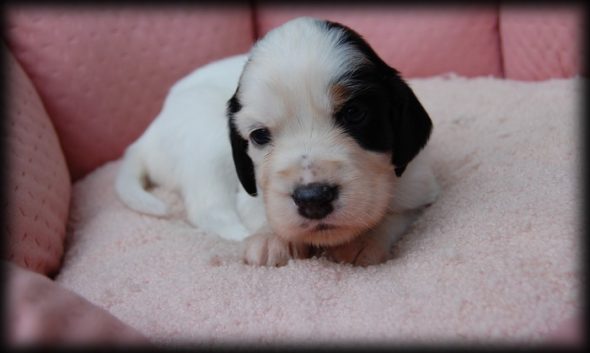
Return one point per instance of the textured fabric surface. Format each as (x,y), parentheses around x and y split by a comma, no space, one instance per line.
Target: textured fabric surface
(103,72)
(418,41)
(541,43)
(38,184)
(42,312)
(495,259)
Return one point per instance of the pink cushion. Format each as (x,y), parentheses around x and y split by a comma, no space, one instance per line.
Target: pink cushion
(568,333)
(416,41)
(544,43)
(103,73)
(38,182)
(42,312)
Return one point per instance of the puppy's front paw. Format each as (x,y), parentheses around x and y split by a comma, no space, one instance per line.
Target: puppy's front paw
(267,249)
(359,252)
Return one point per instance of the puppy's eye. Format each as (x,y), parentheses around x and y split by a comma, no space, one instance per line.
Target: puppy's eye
(260,136)
(353,114)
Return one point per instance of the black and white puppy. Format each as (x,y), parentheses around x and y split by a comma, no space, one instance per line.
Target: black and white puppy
(309,141)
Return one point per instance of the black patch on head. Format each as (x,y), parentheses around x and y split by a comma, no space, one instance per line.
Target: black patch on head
(239,147)
(233,105)
(395,120)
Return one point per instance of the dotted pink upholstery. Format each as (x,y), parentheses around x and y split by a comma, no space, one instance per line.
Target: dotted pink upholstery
(419,41)
(538,44)
(103,72)
(38,184)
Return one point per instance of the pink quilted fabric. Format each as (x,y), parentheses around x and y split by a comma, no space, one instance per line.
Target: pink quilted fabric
(103,72)
(418,41)
(539,44)
(38,182)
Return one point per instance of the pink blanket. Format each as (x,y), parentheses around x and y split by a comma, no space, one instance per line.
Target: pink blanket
(495,259)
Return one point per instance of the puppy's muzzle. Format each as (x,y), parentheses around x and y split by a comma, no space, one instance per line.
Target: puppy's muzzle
(314,200)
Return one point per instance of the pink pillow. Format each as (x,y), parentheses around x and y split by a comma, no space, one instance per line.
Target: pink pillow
(103,73)
(417,41)
(38,182)
(539,44)
(568,333)
(42,312)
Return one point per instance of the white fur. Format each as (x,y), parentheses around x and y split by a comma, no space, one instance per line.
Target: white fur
(187,149)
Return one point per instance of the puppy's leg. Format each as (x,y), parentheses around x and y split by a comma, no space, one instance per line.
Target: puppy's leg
(218,218)
(211,206)
(373,247)
(130,182)
(264,248)
(418,186)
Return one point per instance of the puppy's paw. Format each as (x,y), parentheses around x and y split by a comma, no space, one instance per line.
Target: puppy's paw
(267,249)
(359,252)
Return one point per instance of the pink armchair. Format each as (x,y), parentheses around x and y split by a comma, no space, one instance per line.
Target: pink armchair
(83,83)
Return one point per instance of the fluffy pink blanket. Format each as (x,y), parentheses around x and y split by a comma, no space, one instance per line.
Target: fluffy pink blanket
(495,259)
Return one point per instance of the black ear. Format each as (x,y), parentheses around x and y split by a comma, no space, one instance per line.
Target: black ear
(239,147)
(411,126)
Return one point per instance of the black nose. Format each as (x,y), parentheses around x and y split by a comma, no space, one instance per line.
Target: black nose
(315,199)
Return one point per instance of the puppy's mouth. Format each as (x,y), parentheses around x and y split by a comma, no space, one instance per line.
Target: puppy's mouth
(323,227)
(324,233)
(318,226)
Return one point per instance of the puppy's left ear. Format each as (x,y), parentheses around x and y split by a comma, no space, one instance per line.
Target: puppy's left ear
(239,147)
(411,126)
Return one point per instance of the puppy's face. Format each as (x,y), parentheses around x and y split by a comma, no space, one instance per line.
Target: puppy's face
(321,127)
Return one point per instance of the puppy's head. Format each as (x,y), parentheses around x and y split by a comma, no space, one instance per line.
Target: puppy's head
(321,127)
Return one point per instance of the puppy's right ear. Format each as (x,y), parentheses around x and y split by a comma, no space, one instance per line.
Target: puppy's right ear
(239,147)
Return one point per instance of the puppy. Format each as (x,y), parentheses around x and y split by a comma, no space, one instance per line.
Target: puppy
(310,141)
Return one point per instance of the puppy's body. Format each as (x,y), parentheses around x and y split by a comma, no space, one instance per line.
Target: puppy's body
(187,149)
(321,135)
